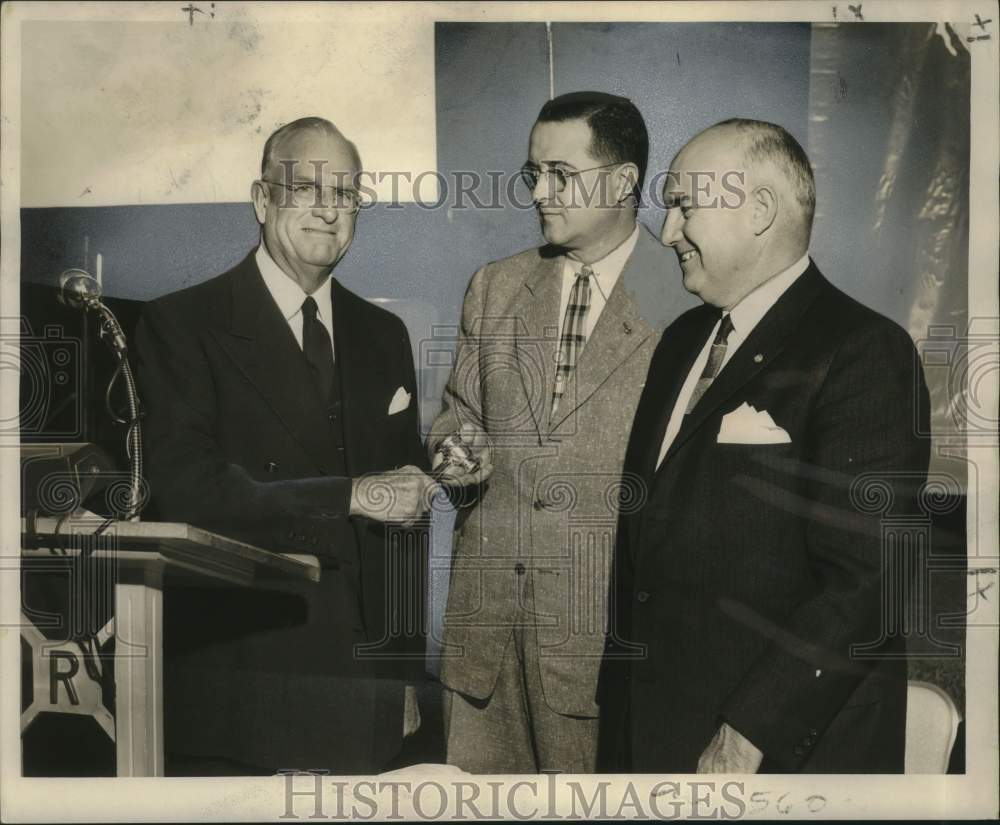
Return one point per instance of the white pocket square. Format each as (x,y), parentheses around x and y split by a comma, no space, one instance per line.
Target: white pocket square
(400,401)
(748,425)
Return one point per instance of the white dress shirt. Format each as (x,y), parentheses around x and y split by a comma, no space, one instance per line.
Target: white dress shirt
(607,271)
(745,316)
(288,295)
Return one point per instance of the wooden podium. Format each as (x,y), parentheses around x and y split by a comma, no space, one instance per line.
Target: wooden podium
(146,558)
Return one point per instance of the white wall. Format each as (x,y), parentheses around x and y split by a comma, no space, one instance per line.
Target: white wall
(150,112)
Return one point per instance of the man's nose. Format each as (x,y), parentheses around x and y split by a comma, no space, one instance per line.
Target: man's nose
(671,232)
(327,213)
(544,188)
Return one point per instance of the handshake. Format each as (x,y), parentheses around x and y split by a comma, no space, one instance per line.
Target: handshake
(461,460)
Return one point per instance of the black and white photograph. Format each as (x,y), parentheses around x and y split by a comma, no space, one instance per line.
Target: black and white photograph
(494,410)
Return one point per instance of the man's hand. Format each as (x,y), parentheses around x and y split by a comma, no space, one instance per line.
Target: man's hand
(729,752)
(400,496)
(479,444)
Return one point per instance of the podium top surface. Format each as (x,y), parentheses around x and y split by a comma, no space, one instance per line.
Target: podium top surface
(172,546)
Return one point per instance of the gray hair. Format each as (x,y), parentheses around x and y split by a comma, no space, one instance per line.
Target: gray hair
(303,124)
(764,142)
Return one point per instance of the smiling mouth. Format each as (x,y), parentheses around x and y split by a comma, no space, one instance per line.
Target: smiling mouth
(687,256)
(319,231)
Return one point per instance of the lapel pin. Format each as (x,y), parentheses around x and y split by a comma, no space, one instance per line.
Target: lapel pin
(627,327)
(758,358)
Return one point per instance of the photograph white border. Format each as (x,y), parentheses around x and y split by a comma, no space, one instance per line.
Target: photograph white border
(973,795)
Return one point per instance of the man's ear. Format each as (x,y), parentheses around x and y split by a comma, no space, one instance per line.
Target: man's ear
(764,208)
(258,194)
(625,181)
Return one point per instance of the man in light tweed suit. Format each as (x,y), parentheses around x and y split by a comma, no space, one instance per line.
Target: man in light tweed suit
(552,357)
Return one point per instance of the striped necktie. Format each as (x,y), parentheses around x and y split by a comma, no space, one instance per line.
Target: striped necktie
(716,356)
(573,336)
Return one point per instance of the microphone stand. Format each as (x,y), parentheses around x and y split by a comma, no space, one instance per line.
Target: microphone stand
(79,290)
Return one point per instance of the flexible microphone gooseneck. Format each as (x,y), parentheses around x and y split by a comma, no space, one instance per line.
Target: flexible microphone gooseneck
(78,289)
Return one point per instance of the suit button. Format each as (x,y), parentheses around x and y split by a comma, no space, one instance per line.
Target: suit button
(271,466)
(519,569)
(642,596)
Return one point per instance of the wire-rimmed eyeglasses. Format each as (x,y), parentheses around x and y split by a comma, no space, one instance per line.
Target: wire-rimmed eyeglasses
(531,174)
(313,195)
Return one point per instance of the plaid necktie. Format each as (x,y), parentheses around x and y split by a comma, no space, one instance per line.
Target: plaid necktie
(317,346)
(716,356)
(573,336)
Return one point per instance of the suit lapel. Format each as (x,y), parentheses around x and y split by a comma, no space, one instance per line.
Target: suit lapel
(618,332)
(263,347)
(679,348)
(765,342)
(671,362)
(536,330)
(637,307)
(360,372)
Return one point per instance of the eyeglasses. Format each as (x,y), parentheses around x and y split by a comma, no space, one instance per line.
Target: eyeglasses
(321,197)
(531,174)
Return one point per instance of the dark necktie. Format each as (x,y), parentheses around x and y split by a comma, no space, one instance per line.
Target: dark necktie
(573,335)
(716,355)
(317,347)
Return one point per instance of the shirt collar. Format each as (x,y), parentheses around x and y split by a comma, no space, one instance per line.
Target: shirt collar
(748,312)
(610,267)
(287,294)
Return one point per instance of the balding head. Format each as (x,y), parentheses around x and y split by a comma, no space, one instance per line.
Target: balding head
(769,152)
(740,198)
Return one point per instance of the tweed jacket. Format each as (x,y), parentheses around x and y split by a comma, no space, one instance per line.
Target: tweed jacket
(535,546)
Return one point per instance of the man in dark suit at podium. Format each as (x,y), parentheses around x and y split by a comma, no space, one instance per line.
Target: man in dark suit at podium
(281,410)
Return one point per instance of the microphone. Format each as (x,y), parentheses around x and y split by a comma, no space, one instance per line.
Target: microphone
(78,289)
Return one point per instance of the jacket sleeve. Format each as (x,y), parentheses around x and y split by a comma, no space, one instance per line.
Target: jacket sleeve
(189,474)
(461,402)
(462,399)
(864,459)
